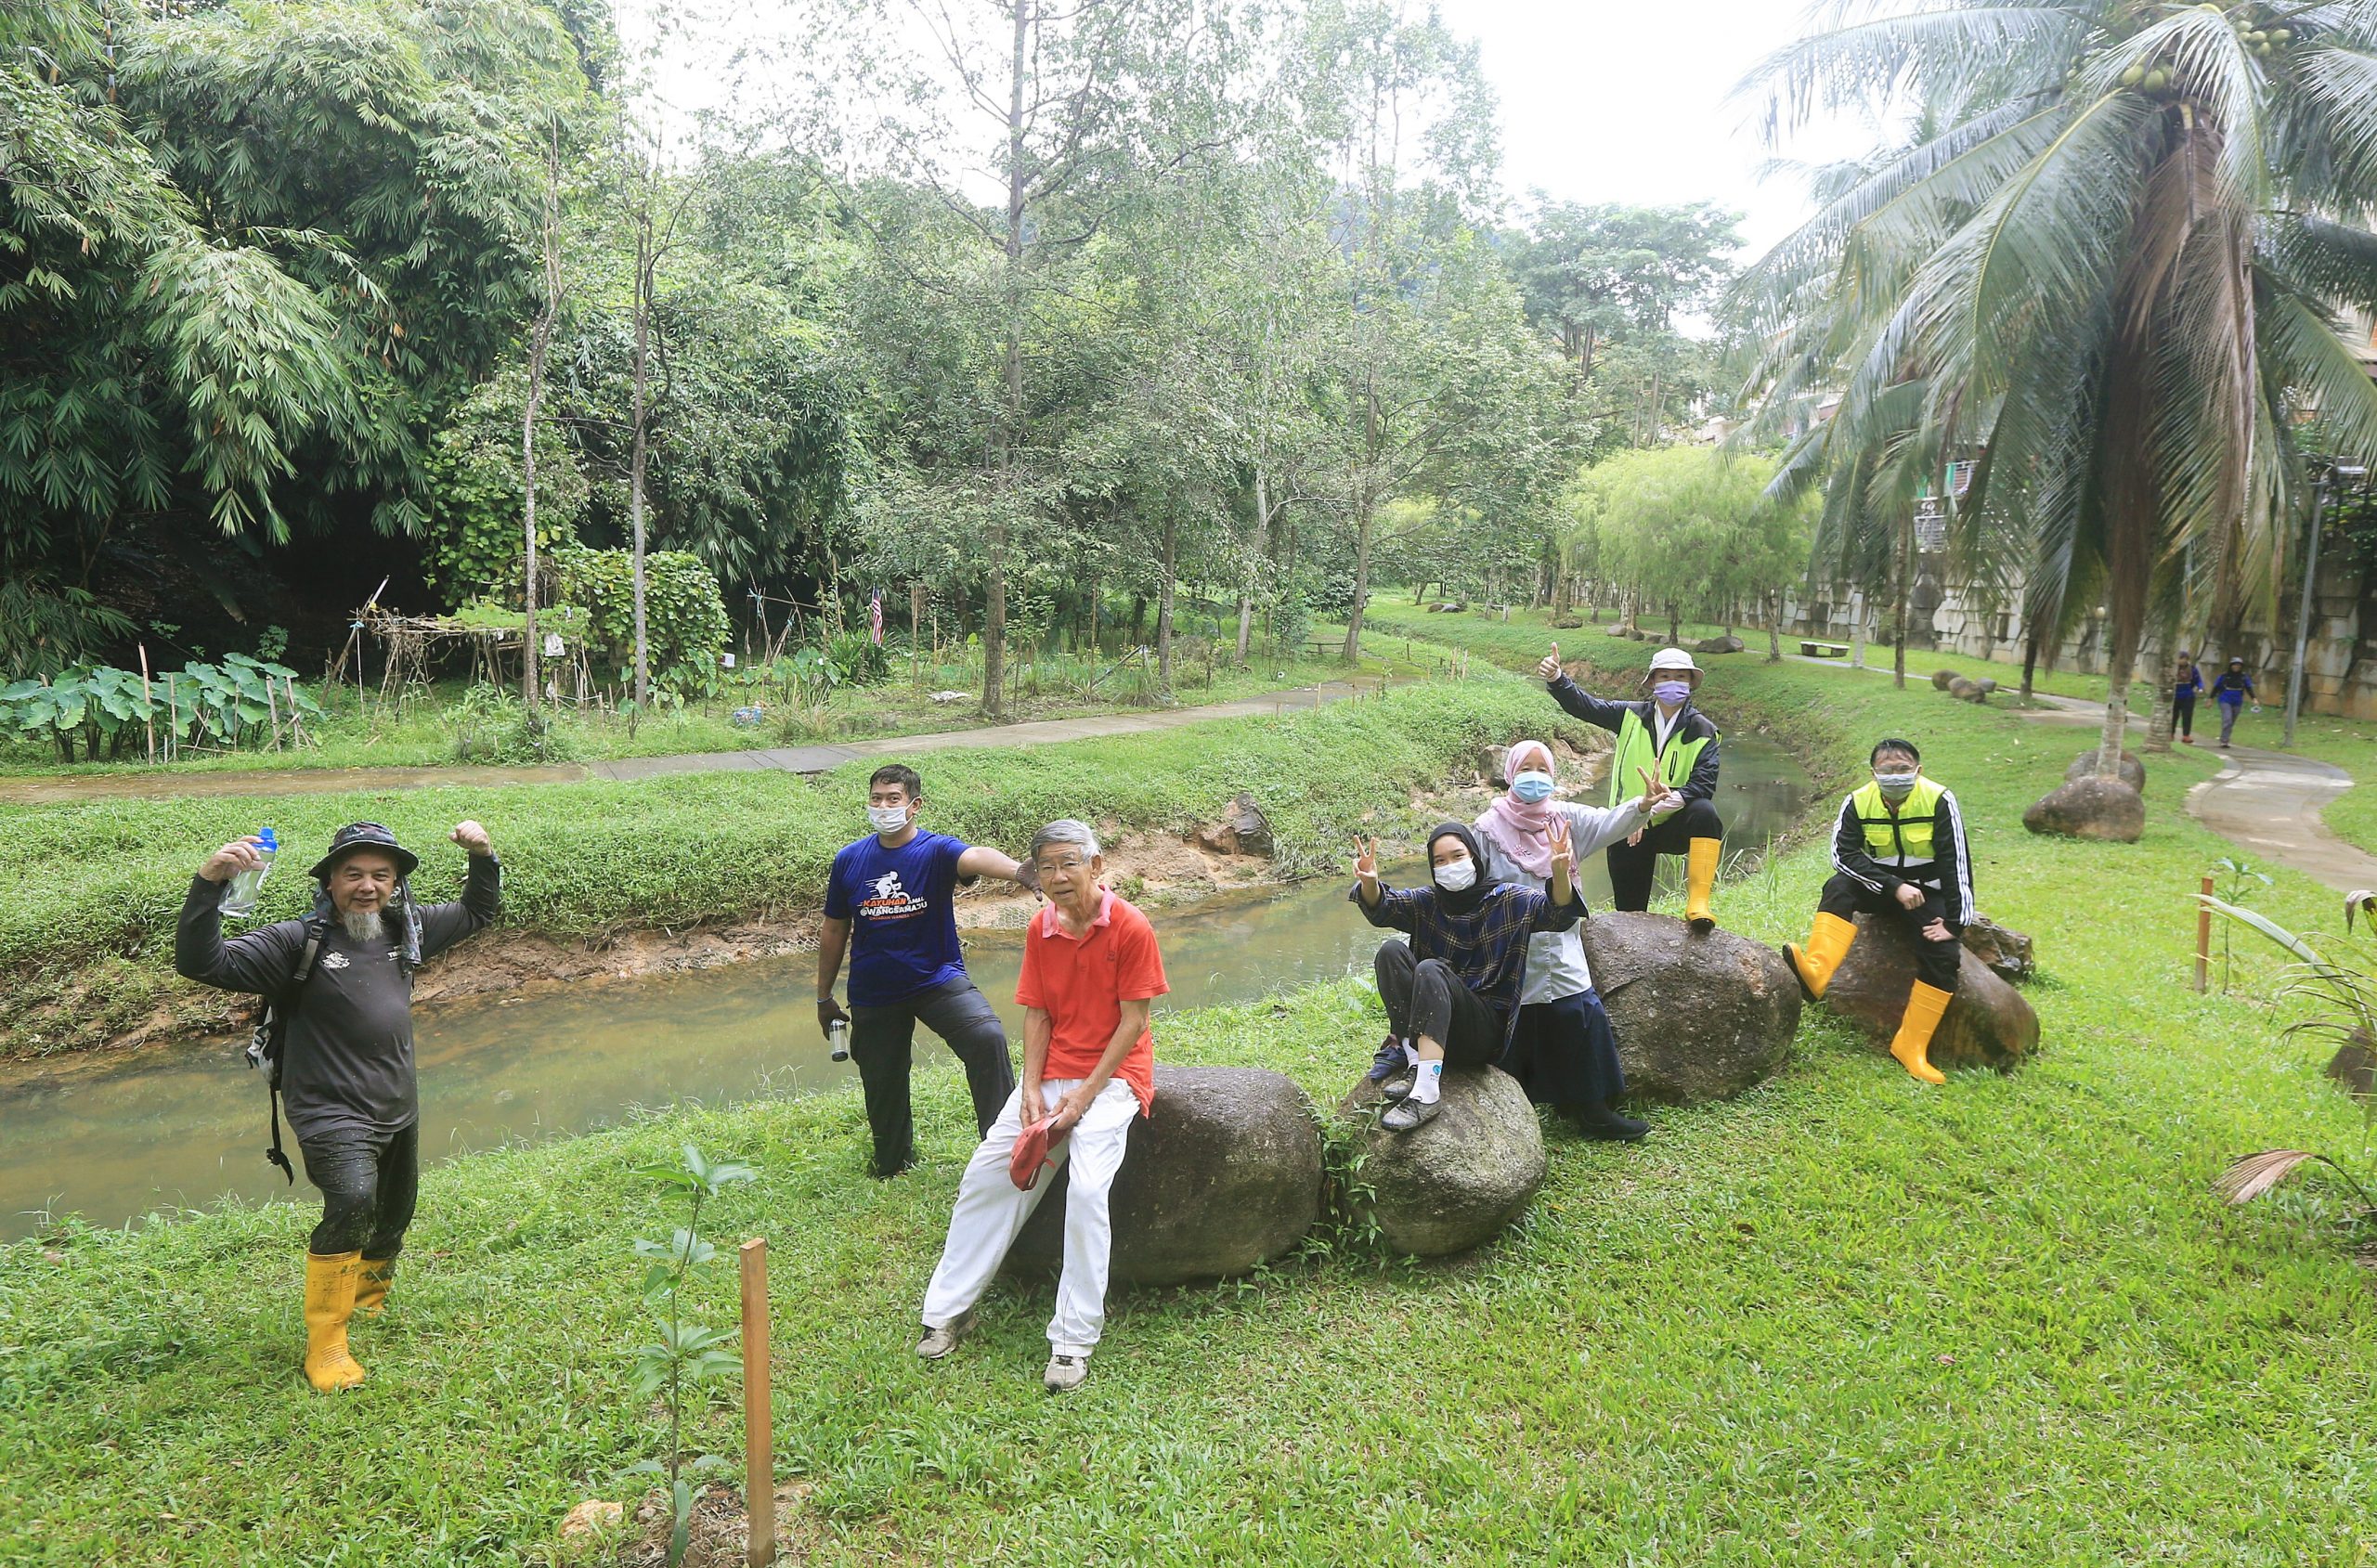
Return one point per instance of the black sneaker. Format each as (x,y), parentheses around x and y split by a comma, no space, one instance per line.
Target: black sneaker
(1603,1124)
(1404,1115)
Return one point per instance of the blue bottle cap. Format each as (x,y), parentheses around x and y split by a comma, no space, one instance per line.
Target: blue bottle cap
(269,841)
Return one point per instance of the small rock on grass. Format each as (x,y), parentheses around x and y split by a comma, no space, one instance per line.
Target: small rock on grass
(2089,808)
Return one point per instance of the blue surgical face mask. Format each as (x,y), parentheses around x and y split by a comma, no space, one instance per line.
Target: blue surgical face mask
(1532,787)
(1672,693)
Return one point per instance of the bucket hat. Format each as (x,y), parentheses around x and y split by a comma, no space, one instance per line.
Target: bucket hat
(363,835)
(1673,658)
(1030,1155)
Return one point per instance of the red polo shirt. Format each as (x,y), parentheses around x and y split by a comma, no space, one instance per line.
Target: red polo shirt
(1081,982)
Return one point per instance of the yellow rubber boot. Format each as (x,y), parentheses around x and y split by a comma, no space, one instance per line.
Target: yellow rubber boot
(372,1285)
(1827,945)
(1699,876)
(329,1302)
(1911,1044)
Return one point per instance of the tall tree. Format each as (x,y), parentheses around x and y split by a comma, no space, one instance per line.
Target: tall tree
(2109,267)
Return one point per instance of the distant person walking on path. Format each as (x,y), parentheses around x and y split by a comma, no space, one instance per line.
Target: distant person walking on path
(1897,852)
(2232,690)
(1453,991)
(1563,1051)
(341,980)
(887,904)
(2187,683)
(1669,736)
(1091,974)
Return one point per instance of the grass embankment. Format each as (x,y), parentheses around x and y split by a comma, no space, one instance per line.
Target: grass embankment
(1842,1319)
(86,935)
(444,727)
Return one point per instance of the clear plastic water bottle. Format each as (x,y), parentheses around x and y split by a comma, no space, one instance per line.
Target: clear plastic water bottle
(239,893)
(838,1035)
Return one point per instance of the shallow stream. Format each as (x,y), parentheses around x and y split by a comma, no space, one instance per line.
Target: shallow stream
(171,1128)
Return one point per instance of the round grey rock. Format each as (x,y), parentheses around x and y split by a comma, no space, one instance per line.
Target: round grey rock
(2133,770)
(1989,1024)
(1697,1018)
(1456,1182)
(1222,1176)
(2089,808)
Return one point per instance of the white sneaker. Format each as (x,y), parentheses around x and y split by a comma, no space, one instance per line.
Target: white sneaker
(940,1341)
(1065,1373)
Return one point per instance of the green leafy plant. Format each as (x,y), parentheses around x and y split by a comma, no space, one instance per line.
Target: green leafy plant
(241,701)
(2342,992)
(686,623)
(864,661)
(490,726)
(2234,885)
(686,1357)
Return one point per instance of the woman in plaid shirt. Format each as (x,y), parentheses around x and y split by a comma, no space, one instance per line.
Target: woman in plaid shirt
(1453,991)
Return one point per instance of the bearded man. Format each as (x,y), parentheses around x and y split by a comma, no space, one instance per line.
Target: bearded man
(341,982)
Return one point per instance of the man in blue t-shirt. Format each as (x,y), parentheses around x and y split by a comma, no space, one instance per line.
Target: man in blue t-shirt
(888,906)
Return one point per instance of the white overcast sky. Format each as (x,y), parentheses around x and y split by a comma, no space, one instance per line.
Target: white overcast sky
(1599,100)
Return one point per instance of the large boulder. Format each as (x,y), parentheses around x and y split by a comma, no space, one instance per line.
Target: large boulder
(1726,645)
(1243,831)
(1697,1018)
(2355,1064)
(1944,678)
(2132,771)
(1987,1025)
(1965,691)
(2004,949)
(2089,808)
(1224,1174)
(1453,1183)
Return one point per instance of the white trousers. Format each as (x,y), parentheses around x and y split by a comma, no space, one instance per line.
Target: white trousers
(990,1212)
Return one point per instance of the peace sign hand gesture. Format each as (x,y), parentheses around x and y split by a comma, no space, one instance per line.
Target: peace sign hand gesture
(1658,796)
(1563,859)
(1366,868)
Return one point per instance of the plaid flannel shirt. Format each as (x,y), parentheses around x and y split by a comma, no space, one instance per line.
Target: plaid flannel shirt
(1486,947)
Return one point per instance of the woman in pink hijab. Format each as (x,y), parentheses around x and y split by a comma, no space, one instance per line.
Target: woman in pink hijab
(1562,1050)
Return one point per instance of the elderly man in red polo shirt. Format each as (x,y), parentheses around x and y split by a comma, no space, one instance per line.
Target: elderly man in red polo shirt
(1091,972)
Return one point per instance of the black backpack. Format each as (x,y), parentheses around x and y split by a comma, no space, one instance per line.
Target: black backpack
(268,1044)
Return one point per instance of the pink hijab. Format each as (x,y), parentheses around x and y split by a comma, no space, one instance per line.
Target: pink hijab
(1521,831)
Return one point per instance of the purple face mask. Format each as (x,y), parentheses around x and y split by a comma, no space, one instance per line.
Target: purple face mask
(1672,693)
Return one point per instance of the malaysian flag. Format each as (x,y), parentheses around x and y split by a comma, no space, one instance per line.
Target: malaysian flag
(874,616)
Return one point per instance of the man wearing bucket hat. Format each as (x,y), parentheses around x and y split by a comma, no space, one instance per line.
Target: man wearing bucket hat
(340,980)
(1669,738)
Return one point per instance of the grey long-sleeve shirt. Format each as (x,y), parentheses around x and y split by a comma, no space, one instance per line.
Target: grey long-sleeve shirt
(347,1063)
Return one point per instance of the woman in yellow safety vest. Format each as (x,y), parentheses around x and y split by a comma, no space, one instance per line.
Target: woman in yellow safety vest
(1668,737)
(1897,852)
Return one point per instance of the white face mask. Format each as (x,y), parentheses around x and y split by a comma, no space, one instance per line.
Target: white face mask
(1456,877)
(887,819)
(1894,785)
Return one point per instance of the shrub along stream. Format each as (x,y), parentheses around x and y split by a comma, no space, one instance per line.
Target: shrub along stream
(1842,1319)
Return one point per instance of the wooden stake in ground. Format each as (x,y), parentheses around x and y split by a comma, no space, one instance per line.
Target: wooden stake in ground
(2203,938)
(759,1427)
(148,702)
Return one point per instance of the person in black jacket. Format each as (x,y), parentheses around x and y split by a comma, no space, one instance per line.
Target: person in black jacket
(1666,738)
(347,1071)
(1898,854)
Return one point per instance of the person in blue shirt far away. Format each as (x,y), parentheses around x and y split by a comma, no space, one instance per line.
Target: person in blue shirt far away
(2232,689)
(887,905)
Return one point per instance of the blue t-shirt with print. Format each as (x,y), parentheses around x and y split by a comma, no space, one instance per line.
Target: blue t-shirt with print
(903,933)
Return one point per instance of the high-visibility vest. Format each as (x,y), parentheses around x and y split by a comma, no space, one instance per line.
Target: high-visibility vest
(1901,840)
(1635,752)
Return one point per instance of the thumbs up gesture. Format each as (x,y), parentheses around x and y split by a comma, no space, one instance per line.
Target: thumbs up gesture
(1550,668)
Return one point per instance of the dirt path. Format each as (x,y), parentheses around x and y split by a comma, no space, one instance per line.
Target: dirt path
(66,789)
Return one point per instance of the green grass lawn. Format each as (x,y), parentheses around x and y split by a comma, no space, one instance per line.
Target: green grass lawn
(424,730)
(96,885)
(1843,1319)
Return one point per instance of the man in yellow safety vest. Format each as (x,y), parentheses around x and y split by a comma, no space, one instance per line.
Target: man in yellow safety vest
(1898,852)
(1669,739)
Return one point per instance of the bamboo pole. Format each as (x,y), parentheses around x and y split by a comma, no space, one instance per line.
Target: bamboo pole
(2203,938)
(148,702)
(759,1430)
(272,712)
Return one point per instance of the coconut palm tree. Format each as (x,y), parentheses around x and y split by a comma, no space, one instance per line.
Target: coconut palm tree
(2106,253)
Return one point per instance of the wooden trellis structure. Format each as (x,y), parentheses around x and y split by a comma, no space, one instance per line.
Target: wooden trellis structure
(409,644)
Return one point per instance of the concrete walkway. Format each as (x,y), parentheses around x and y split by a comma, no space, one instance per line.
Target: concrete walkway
(66,789)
